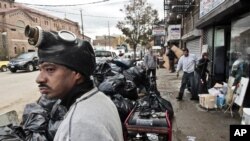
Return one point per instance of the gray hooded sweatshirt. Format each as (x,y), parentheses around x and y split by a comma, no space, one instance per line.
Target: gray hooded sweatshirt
(150,61)
(93,117)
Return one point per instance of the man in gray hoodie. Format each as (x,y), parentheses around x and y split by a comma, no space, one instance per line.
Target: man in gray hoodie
(150,61)
(66,64)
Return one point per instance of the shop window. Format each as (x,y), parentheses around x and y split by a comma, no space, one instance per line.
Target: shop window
(240,48)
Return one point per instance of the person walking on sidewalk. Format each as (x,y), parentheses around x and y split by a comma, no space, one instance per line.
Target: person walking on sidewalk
(171,57)
(187,63)
(150,61)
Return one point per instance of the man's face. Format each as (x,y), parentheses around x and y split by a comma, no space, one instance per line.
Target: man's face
(205,57)
(185,53)
(54,80)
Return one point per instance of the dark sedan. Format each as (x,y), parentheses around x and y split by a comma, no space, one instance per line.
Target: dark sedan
(27,61)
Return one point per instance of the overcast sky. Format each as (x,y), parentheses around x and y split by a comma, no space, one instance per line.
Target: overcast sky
(95,16)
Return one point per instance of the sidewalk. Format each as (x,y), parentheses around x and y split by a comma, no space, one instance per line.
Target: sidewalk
(190,119)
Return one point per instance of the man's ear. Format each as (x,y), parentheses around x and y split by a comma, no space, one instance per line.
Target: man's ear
(79,77)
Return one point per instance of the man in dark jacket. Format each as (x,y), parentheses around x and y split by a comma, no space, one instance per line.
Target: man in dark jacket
(201,70)
(171,57)
(66,64)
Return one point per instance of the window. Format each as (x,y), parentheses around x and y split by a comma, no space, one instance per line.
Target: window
(46,22)
(4,5)
(240,48)
(15,51)
(0,5)
(23,50)
(36,20)
(20,25)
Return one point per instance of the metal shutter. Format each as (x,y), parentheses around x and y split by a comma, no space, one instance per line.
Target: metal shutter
(194,47)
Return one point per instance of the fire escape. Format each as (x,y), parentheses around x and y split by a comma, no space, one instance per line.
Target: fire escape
(175,9)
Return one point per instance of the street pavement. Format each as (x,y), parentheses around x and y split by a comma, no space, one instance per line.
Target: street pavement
(190,119)
(16,90)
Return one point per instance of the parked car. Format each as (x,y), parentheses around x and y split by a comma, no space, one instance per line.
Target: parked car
(103,55)
(27,61)
(3,65)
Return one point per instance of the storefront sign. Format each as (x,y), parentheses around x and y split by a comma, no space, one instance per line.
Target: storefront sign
(208,5)
(174,32)
(158,30)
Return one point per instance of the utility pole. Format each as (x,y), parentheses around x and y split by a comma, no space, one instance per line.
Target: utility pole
(109,33)
(105,40)
(82,24)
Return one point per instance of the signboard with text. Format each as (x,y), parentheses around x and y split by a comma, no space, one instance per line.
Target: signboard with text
(158,30)
(174,32)
(208,5)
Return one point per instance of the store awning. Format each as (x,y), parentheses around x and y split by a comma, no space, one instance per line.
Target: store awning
(192,34)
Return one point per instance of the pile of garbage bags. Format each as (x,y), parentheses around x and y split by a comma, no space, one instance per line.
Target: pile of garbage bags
(40,122)
(122,81)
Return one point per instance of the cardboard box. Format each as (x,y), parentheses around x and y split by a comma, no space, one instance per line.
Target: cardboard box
(208,101)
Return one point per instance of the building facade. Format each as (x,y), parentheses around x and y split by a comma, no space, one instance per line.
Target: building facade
(109,41)
(219,27)
(13,19)
(225,26)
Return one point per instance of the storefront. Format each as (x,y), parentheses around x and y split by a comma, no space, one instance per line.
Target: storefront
(192,41)
(239,61)
(223,27)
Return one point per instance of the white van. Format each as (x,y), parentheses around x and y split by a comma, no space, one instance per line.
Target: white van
(103,55)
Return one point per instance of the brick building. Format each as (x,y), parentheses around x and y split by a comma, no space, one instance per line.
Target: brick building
(14,17)
(109,41)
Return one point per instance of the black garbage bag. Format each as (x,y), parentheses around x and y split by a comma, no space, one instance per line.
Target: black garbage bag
(124,64)
(46,103)
(112,85)
(12,133)
(136,74)
(56,117)
(40,122)
(130,90)
(123,105)
(156,103)
(36,137)
(115,68)
(102,70)
(35,122)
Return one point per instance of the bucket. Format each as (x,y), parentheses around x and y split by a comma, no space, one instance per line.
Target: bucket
(246,116)
(220,101)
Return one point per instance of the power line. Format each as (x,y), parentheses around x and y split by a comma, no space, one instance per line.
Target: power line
(65,5)
(79,14)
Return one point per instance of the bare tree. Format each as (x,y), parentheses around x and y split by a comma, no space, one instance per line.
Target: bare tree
(138,23)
